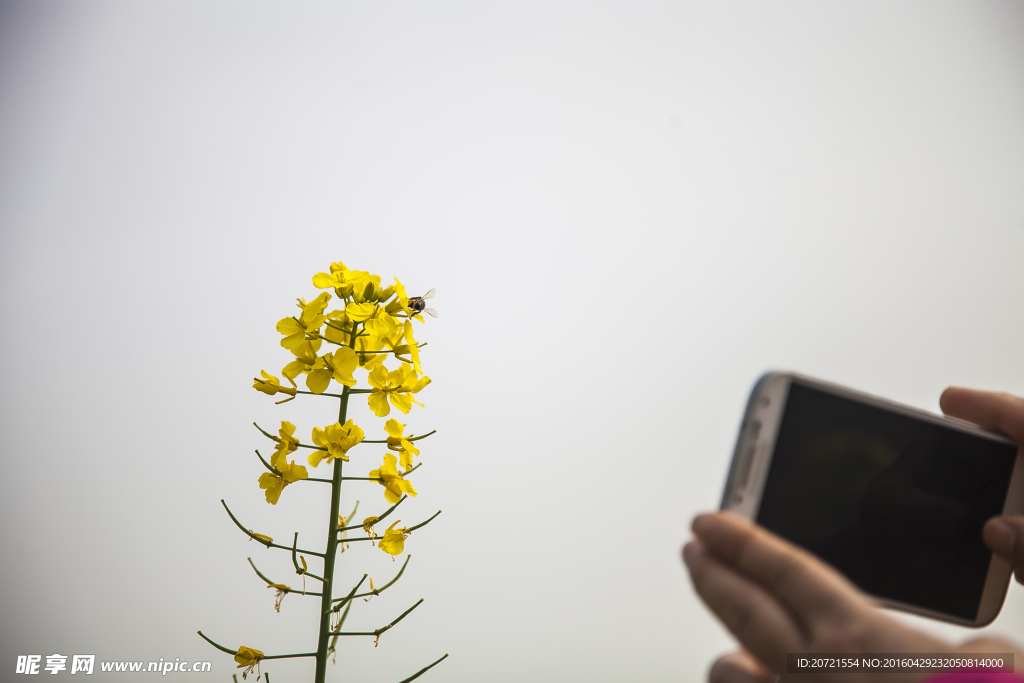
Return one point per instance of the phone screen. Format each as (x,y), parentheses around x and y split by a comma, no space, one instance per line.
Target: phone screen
(895,503)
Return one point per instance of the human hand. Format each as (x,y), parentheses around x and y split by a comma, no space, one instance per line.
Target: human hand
(776,599)
(1002,413)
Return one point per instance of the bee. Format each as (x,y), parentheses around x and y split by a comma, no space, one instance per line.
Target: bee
(418,304)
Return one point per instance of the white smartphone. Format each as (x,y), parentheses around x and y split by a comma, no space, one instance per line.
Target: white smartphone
(893,497)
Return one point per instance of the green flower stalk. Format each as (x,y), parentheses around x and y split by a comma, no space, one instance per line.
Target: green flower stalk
(371,328)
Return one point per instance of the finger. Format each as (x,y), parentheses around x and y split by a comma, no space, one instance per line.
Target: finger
(1005,536)
(799,581)
(751,614)
(739,667)
(999,412)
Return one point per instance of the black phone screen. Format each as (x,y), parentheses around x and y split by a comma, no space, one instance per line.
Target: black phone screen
(894,503)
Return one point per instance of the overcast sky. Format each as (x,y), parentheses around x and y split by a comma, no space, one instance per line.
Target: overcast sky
(629,210)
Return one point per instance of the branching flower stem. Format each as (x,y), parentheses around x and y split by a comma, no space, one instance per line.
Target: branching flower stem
(408,531)
(255,537)
(424,670)
(232,652)
(379,519)
(376,591)
(382,629)
(411,438)
(269,582)
(331,552)
(278,473)
(302,571)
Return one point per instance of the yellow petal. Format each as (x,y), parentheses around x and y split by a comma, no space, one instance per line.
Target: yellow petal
(289,326)
(378,377)
(394,427)
(318,381)
(378,402)
(359,312)
(401,401)
(325,281)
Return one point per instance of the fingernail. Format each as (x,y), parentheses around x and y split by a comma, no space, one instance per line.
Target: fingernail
(1000,536)
(691,552)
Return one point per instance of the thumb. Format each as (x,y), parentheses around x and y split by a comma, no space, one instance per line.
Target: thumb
(1005,536)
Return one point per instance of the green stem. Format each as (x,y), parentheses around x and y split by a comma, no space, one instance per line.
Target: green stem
(351,594)
(219,647)
(234,652)
(278,473)
(376,591)
(339,329)
(424,670)
(353,513)
(324,631)
(341,622)
(411,438)
(408,531)
(269,582)
(254,537)
(300,570)
(382,629)
(313,393)
(385,514)
(422,524)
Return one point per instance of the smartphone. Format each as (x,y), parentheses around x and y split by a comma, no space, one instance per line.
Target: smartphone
(893,497)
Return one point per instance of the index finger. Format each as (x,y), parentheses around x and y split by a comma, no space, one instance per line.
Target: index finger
(997,411)
(808,587)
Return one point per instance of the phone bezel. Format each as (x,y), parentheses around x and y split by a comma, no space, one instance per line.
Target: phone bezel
(752,461)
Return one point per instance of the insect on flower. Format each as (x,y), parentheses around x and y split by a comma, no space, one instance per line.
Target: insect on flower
(419,303)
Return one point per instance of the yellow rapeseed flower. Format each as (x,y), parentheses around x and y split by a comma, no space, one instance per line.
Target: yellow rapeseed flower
(336,278)
(337,439)
(380,325)
(275,483)
(338,365)
(286,442)
(359,312)
(414,350)
(398,442)
(338,328)
(365,287)
(306,325)
(369,361)
(271,385)
(397,386)
(403,298)
(305,357)
(391,479)
(393,542)
(249,659)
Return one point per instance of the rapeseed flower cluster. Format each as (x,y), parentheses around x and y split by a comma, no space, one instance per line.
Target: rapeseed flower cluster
(356,330)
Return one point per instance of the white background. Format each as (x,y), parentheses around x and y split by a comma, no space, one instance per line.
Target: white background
(629,210)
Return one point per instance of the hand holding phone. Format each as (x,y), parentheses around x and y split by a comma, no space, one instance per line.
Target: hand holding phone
(1002,413)
(893,497)
(776,598)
